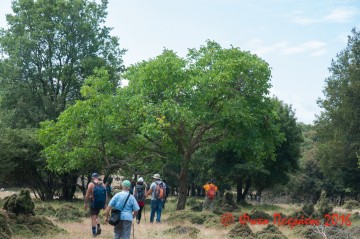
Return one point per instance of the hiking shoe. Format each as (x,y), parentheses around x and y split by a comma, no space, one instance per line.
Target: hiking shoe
(98,232)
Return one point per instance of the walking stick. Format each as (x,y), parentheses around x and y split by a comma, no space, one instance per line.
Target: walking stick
(144,213)
(133,231)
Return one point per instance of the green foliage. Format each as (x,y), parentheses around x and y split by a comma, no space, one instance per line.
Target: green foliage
(351,204)
(241,231)
(50,48)
(308,209)
(339,123)
(192,232)
(18,147)
(225,203)
(20,203)
(270,232)
(323,205)
(92,134)
(180,111)
(68,213)
(5,231)
(260,215)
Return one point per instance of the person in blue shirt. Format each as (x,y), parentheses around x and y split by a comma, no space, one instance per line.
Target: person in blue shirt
(128,212)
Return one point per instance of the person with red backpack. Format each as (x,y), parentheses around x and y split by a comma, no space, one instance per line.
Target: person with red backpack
(158,192)
(97,196)
(210,194)
(140,191)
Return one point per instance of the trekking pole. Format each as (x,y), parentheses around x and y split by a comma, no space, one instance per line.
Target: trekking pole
(144,213)
(133,230)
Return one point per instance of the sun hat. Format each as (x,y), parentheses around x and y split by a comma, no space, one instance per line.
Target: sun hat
(157,176)
(140,180)
(126,183)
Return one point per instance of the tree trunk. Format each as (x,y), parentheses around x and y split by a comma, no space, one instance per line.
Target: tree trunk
(83,187)
(258,195)
(68,186)
(182,188)
(240,197)
(239,190)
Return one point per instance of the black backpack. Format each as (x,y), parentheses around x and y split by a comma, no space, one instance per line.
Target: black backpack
(140,193)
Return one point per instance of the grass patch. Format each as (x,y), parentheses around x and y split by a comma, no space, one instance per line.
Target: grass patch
(192,232)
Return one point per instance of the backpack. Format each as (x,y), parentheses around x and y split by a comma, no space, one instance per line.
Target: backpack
(140,193)
(99,198)
(211,192)
(159,191)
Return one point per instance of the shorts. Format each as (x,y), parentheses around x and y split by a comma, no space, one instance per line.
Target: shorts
(94,211)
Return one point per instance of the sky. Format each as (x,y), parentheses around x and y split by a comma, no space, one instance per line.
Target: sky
(297,38)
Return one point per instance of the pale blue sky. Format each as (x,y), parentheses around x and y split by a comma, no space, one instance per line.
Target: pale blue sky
(298,38)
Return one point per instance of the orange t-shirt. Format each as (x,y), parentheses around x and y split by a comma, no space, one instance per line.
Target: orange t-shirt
(207,187)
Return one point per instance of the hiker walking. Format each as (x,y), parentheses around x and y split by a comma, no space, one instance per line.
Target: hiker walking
(122,230)
(140,191)
(97,197)
(157,190)
(210,194)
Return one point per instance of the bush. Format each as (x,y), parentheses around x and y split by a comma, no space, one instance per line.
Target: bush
(181,230)
(270,232)
(308,209)
(323,205)
(5,231)
(241,231)
(355,217)
(68,213)
(20,204)
(192,217)
(260,215)
(351,204)
(45,210)
(225,203)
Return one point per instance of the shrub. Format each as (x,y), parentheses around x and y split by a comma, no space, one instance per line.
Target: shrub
(20,203)
(351,204)
(323,205)
(45,210)
(308,209)
(260,214)
(5,231)
(195,218)
(68,213)
(191,231)
(270,232)
(241,231)
(225,203)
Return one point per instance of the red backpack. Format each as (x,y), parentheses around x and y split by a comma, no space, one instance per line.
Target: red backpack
(211,193)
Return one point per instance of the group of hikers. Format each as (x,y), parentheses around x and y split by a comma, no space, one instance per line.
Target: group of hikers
(131,202)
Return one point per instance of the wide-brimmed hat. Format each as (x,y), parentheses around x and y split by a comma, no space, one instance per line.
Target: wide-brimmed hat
(157,176)
(140,180)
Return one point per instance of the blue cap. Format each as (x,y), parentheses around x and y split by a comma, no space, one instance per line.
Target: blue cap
(94,175)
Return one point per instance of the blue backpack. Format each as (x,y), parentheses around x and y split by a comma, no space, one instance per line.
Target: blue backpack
(99,198)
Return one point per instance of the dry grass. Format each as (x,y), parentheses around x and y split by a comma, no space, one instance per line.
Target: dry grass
(82,230)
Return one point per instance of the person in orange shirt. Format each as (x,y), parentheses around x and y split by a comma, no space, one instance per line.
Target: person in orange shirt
(210,194)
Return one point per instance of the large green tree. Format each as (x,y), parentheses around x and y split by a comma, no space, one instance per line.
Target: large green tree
(93,134)
(186,104)
(338,126)
(47,51)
